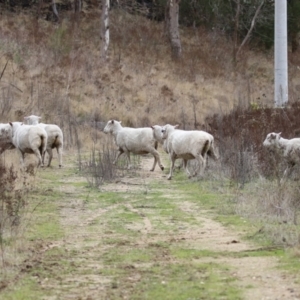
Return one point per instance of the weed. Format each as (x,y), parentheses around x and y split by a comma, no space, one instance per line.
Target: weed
(12,203)
(100,167)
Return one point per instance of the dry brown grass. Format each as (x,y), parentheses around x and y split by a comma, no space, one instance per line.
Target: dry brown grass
(55,70)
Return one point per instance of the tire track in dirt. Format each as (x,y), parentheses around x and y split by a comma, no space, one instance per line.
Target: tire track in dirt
(147,222)
(256,276)
(86,245)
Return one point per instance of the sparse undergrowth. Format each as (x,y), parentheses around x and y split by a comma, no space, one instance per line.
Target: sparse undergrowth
(142,237)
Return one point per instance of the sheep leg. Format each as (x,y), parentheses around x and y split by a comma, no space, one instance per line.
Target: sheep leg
(211,152)
(128,160)
(181,165)
(154,164)
(120,152)
(43,157)
(173,158)
(59,153)
(38,155)
(50,154)
(156,159)
(202,164)
(184,161)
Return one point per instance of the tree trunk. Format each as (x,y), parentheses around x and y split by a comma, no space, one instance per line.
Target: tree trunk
(54,9)
(294,24)
(172,27)
(77,6)
(294,40)
(105,28)
(236,29)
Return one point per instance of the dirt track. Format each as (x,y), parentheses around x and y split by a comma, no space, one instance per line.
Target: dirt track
(79,275)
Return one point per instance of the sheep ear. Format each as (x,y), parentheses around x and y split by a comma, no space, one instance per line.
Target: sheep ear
(152,127)
(176,126)
(10,123)
(279,134)
(112,121)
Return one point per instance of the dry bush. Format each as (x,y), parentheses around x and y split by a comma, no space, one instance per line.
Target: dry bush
(137,37)
(99,167)
(12,203)
(273,206)
(240,134)
(256,173)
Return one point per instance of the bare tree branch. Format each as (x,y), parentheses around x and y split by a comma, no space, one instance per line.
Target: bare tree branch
(3,69)
(251,27)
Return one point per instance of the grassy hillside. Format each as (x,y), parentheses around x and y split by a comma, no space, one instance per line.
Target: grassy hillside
(54,70)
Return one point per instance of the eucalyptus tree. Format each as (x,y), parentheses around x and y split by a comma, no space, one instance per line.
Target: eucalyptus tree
(172,27)
(105,28)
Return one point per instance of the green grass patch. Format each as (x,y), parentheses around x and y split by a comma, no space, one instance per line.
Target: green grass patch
(186,281)
(44,220)
(109,198)
(290,261)
(123,255)
(183,254)
(26,289)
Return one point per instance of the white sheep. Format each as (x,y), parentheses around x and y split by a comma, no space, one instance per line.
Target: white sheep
(193,144)
(157,134)
(290,149)
(29,139)
(55,137)
(5,137)
(135,140)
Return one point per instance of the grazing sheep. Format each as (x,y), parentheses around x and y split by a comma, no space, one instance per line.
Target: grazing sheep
(135,140)
(55,137)
(5,137)
(290,149)
(188,145)
(29,139)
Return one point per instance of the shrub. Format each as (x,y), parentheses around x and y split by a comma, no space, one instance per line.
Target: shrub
(240,134)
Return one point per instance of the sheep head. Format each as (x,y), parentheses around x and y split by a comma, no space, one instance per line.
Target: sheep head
(32,120)
(112,126)
(167,129)
(271,141)
(157,132)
